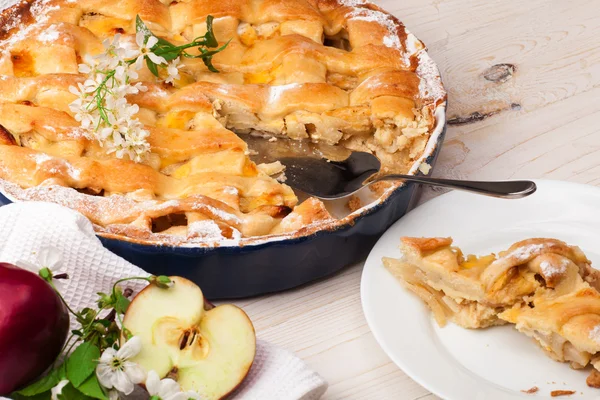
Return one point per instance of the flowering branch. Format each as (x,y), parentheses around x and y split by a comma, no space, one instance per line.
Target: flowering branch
(93,365)
(102,107)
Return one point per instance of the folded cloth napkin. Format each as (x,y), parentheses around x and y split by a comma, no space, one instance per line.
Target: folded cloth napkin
(26,227)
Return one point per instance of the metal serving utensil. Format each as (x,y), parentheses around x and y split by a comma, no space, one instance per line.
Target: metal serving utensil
(311,168)
(330,180)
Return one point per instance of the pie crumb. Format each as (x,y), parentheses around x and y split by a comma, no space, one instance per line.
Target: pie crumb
(556,393)
(281,177)
(531,390)
(593,380)
(354,203)
(379,188)
(271,169)
(425,168)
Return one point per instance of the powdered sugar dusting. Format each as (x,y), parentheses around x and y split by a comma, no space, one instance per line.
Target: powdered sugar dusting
(391,39)
(167,204)
(49,35)
(40,158)
(551,269)
(231,190)
(59,164)
(430,85)
(524,253)
(223,215)
(209,231)
(595,334)
(353,3)
(106,210)
(80,133)
(40,11)
(13,23)
(413,45)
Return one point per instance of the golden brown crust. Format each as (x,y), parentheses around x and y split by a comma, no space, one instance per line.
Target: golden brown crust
(277,76)
(426,244)
(13,17)
(6,138)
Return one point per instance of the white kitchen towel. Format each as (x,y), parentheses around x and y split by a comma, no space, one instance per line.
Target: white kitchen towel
(26,227)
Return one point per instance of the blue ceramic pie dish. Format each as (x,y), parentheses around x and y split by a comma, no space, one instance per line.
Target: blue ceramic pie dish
(276,265)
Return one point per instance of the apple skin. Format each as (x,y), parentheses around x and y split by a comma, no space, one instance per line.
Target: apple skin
(34,324)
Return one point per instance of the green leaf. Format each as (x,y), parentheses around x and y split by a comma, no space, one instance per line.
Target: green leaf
(82,363)
(42,396)
(168,54)
(41,385)
(62,371)
(140,26)
(105,301)
(152,67)
(122,303)
(211,40)
(162,42)
(70,393)
(91,387)
(208,63)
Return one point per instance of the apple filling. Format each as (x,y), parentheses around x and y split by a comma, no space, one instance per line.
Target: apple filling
(557,347)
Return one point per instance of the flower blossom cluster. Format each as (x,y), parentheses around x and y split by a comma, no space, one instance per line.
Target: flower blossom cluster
(102,107)
(118,374)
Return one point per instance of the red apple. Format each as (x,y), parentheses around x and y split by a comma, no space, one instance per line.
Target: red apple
(34,324)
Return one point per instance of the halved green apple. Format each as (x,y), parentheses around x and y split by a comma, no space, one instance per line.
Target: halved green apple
(206,350)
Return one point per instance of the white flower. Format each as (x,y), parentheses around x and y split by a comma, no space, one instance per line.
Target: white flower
(50,257)
(56,390)
(167,389)
(101,106)
(47,258)
(114,370)
(173,70)
(84,68)
(115,128)
(115,54)
(146,50)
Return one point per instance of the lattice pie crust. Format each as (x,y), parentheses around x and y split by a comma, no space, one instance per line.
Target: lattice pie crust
(341,72)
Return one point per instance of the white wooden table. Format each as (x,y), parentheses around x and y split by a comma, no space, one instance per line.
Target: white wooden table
(543,122)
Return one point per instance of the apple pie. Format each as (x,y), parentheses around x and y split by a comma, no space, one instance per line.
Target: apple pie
(339,72)
(545,287)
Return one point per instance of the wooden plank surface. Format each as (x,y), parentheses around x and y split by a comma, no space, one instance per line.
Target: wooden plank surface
(542,122)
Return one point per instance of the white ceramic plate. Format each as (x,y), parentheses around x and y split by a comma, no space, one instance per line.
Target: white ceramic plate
(494,363)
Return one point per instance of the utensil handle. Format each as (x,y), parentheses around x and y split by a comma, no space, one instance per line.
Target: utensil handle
(502,189)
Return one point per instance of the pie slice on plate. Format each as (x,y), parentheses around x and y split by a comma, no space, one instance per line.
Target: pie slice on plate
(545,287)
